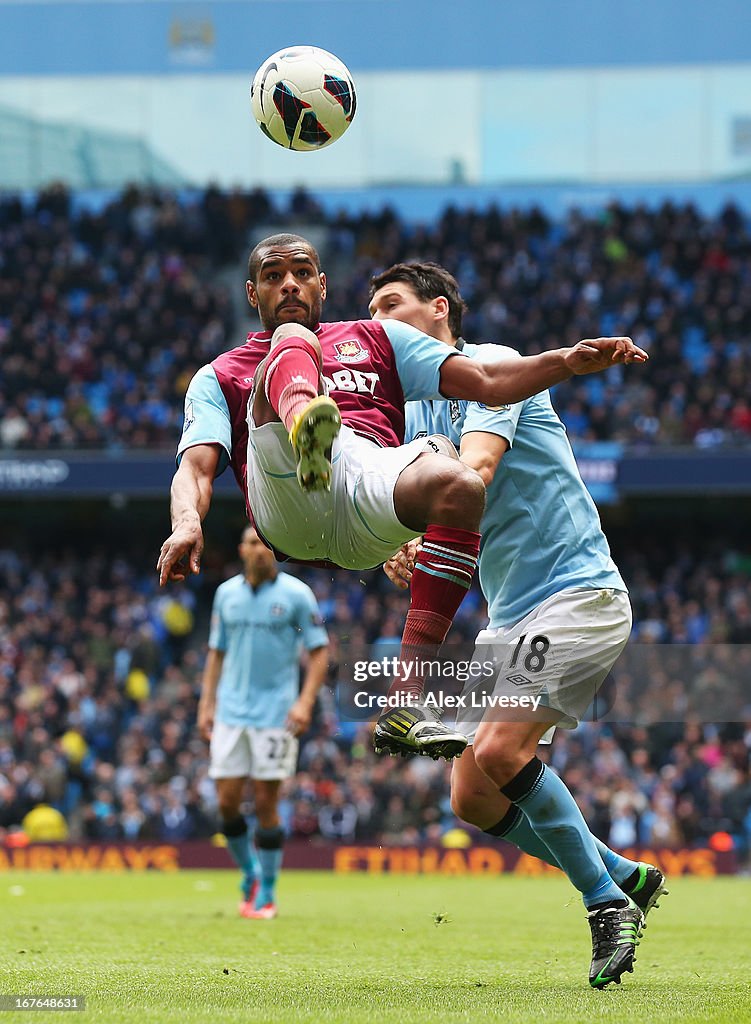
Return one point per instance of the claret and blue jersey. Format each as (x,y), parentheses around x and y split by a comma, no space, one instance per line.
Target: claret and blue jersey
(261,632)
(541,531)
(370,367)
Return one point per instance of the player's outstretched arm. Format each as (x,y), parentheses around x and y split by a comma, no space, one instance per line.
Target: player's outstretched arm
(504,382)
(190,498)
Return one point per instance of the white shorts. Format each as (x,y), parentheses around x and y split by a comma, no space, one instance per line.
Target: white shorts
(354,524)
(561,652)
(239,752)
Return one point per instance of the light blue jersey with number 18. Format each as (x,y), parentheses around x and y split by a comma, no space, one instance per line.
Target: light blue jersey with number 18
(541,531)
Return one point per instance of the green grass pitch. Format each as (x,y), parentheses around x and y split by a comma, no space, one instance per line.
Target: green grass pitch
(349,948)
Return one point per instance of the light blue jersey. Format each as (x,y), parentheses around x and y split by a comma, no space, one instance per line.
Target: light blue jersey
(261,632)
(207,417)
(541,531)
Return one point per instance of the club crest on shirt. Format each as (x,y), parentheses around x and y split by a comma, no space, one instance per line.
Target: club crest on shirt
(455,411)
(350,351)
(277,610)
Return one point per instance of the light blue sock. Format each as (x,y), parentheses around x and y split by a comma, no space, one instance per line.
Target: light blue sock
(269,843)
(242,852)
(619,867)
(557,820)
(516,828)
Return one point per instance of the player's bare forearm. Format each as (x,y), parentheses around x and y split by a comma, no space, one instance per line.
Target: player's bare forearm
(211,673)
(514,380)
(207,703)
(483,452)
(301,712)
(315,676)
(191,491)
(508,381)
(503,382)
(190,499)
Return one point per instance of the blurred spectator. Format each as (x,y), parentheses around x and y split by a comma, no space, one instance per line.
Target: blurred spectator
(44,824)
(337,819)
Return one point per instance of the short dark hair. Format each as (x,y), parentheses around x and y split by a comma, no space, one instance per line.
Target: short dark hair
(282,241)
(428,281)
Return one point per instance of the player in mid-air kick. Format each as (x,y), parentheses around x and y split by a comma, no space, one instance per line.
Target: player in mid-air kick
(559,618)
(311,418)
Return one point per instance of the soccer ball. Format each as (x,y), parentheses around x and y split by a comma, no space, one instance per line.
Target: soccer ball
(303,98)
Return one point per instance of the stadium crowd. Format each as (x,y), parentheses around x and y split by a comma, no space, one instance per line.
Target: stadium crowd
(105,315)
(100,673)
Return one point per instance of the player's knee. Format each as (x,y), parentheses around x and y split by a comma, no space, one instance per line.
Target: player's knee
(458,494)
(267,813)
(496,756)
(285,331)
(229,808)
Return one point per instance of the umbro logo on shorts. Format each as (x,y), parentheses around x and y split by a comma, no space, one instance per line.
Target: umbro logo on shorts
(518,679)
